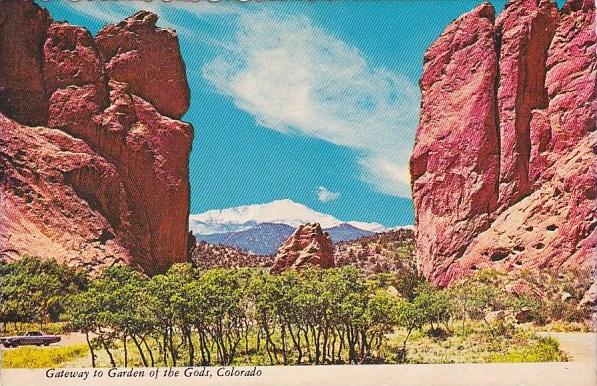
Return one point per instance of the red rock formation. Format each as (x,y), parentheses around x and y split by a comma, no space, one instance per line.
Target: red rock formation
(308,245)
(571,78)
(133,44)
(133,177)
(454,166)
(59,199)
(521,287)
(150,150)
(546,104)
(552,227)
(23,27)
(71,58)
(524,30)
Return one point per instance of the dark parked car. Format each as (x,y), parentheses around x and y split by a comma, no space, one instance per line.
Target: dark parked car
(36,338)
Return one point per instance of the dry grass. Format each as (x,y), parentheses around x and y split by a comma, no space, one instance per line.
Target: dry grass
(38,357)
(477,345)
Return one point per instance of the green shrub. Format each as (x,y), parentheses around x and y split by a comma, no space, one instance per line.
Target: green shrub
(501,328)
(32,289)
(544,350)
(558,309)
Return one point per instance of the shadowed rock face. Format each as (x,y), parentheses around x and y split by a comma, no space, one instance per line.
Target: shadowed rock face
(504,165)
(308,245)
(23,27)
(524,31)
(106,181)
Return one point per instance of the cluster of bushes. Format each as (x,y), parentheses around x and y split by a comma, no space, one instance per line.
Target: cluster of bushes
(207,256)
(208,317)
(559,295)
(540,296)
(33,290)
(384,252)
(190,316)
(546,349)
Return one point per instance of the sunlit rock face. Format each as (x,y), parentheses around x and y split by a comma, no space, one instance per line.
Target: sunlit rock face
(504,165)
(104,178)
(309,245)
(136,42)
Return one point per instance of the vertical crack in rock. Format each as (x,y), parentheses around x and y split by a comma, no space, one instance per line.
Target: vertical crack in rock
(539,90)
(498,50)
(526,29)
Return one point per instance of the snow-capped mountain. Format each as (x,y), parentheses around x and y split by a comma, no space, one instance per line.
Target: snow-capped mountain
(266,238)
(276,212)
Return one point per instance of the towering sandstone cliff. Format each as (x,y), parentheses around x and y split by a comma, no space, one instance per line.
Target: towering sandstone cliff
(93,164)
(504,168)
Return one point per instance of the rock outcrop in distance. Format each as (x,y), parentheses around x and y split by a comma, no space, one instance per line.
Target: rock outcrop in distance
(389,251)
(504,167)
(93,167)
(309,245)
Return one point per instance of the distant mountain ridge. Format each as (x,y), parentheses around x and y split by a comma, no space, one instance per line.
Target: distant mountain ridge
(247,216)
(266,238)
(346,232)
(262,239)
(262,228)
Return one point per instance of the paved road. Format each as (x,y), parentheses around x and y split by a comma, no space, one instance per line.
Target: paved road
(72,338)
(580,346)
(66,340)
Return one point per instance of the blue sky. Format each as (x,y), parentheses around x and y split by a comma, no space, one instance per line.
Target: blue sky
(315,101)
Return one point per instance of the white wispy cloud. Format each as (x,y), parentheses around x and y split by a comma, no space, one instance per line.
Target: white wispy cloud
(325,195)
(168,12)
(294,77)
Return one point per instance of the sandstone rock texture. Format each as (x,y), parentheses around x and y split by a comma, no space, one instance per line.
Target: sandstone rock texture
(524,31)
(134,43)
(504,168)
(308,245)
(455,163)
(23,28)
(105,180)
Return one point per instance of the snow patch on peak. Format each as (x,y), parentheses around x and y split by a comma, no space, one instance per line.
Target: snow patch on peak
(283,211)
(368,226)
